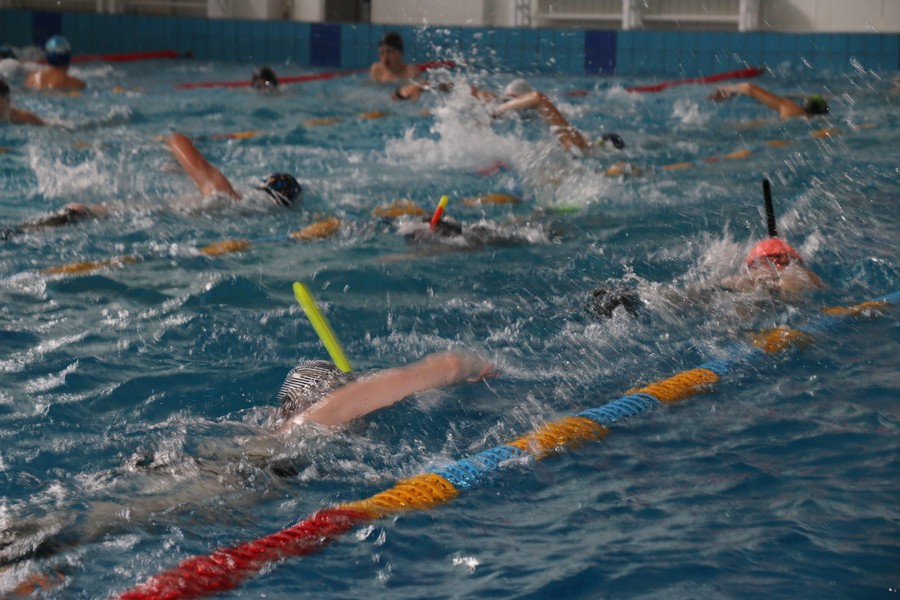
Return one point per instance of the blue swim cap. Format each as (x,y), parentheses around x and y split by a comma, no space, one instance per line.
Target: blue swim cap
(283,188)
(58,50)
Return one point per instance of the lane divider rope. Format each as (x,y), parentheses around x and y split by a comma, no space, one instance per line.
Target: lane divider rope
(227,568)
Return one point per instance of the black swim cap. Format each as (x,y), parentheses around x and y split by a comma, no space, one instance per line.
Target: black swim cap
(615,139)
(6,52)
(307,383)
(264,78)
(283,188)
(391,39)
(815,105)
(605,301)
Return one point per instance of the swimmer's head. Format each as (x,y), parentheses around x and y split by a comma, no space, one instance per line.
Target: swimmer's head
(815,105)
(6,52)
(283,188)
(264,78)
(307,383)
(605,301)
(516,88)
(58,51)
(613,139)
(447,227)
(392,40)
(771,252)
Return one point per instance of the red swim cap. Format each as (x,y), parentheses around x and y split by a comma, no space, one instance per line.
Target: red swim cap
(774,250)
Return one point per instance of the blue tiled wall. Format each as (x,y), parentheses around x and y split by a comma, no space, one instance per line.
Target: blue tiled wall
(353,45)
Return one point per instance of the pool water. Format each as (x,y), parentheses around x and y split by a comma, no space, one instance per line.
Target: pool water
(134,398)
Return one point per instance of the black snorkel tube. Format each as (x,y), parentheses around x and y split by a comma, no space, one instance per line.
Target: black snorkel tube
(770,210)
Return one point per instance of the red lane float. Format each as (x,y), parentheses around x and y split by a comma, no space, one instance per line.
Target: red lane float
(739,74)
(435,64)
(247,82)
(226,569)
(128,57)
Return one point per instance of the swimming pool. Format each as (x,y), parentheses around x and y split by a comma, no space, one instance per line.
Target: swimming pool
(778,482)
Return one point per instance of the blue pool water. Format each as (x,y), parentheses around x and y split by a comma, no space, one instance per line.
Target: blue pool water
(781,482)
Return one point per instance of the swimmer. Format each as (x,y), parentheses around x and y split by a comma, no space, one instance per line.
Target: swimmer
(785,107)
(264,80)
(604,301)
(13,115)
(519,96)
(10,65)
(56,75)
(390,67)
(282,189)
(316,391)
(773,264)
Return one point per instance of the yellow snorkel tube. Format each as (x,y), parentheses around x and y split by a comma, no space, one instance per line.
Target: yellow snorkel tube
(323,328)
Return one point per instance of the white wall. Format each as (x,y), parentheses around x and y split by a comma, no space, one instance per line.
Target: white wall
(444,12)
(870,16)
(882,16)
(244,9)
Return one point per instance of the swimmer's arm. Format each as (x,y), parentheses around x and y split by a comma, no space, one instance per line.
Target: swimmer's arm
(76,83)
(483,95)
(815,279)
(375,72)
(209,179)
(409,91)
(568,135)
(785,107)
(388,387)
(24,117)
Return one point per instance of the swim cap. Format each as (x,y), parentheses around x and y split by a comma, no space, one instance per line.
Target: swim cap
(307,383)
(6,52)
(59,53)
(517,87)
(264,78)
(605,301)
(283,188)
(613,138)
(391,39)
(815,105)
(775,251)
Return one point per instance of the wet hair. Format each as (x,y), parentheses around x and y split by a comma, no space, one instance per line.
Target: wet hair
(391,39)
(307,383)
(4,90)
(283,188)
(58,51)
(264,78)
(604,301)
(815,105)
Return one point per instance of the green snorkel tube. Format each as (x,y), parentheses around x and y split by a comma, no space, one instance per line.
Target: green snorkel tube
(323,328)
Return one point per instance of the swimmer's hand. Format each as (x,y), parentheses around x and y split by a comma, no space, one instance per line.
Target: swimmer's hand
(721,94)
(727,92)
(409,91)
(469,366)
